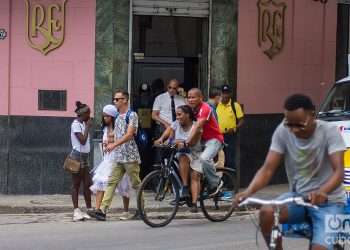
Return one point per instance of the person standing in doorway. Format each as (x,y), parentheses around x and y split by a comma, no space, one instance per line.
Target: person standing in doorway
(127,157)
(164,110)
(230,118)
(80,138)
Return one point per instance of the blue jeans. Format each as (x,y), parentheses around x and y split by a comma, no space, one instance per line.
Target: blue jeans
(299,214)
(212,147)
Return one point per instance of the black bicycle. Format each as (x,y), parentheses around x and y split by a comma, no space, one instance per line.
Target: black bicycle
(158,198)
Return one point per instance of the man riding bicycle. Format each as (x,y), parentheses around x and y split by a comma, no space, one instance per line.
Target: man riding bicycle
(211,138)
(312,151)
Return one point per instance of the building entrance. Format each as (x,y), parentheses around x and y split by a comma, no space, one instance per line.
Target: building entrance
(165,47)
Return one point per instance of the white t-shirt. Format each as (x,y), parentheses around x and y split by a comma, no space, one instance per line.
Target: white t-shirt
(78,127)
(181,134)
(162,103)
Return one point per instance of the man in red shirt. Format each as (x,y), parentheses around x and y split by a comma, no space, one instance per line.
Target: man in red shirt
(212,139)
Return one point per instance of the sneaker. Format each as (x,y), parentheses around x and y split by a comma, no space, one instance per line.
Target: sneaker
(193,208)
(126,216)
(91,212)
(214,191)
(86,215)
(184,194)
(180,202)
(77,215)
(98,214)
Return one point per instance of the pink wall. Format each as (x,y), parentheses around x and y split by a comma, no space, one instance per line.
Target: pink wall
(70,67)
(4,58)
(305,65)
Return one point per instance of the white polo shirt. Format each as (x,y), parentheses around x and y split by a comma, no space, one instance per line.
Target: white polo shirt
(162,103)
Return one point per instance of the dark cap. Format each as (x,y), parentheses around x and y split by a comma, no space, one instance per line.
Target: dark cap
(225,88)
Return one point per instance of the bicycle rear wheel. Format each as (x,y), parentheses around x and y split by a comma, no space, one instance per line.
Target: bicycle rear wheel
(220,207)
(157,199)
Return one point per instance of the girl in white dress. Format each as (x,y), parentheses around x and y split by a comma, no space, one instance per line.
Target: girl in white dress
(102,172)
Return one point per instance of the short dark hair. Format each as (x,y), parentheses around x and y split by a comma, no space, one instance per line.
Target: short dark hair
(298,101)
(123,92)
(214,92)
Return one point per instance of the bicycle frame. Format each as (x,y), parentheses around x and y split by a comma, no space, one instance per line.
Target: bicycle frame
(276,231)
(302,229)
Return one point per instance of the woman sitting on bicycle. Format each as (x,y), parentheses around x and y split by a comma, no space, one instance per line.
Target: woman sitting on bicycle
(188,155)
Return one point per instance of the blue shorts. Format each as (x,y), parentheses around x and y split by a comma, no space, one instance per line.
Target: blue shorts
(298,214)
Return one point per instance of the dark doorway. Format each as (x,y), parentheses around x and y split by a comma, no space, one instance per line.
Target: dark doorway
(164,48)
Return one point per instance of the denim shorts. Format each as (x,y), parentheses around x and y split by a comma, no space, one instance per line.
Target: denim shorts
(82,157)
(298,214)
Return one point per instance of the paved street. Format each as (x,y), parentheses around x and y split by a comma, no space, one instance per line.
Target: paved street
(51,231)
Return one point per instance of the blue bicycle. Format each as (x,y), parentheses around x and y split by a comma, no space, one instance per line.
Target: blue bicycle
(158,198)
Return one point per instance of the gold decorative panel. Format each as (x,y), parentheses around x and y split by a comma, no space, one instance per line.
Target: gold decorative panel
(271,26)
(45,26)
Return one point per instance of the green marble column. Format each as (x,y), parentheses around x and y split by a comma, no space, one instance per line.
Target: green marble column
(104,55)
(121,44)
(112,48)
(224,43)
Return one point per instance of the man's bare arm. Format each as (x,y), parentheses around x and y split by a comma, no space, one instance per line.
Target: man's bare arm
(263,176)
(156,117)
(130,133)
(197,129)
(337,163)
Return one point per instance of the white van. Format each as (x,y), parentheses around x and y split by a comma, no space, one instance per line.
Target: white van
(336,109)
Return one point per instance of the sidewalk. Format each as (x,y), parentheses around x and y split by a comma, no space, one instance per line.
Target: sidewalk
(20,204)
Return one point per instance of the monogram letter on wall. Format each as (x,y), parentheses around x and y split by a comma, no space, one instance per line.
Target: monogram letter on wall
(45,26)
(271,26)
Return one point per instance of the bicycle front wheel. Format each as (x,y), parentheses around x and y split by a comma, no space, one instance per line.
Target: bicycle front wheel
(157,199)
(220,207)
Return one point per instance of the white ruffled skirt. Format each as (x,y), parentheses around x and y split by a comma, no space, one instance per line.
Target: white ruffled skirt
(100,179)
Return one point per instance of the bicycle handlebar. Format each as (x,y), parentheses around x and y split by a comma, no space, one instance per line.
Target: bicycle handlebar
(299,200)
(163,145)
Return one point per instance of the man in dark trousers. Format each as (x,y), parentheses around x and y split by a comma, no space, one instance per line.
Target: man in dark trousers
(230,118)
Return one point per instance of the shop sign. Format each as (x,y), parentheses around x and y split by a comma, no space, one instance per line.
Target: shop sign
(45,25)
(271,26)
(3,34)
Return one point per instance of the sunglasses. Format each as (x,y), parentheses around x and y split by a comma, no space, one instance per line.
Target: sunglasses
(174,88)
(117,99)
(301,126)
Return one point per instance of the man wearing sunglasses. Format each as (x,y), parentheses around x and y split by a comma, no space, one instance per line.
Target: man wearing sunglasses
(165,104)
(312,152)
(163,111)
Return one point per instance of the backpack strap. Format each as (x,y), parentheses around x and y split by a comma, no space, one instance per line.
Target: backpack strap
(234,108)
(127,117)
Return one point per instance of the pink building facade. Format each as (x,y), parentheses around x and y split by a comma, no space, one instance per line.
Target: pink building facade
(35,139)
(25,70)
(94,59)
(306,63)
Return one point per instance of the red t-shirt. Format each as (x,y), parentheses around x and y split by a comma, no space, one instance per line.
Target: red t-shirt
(211,128)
